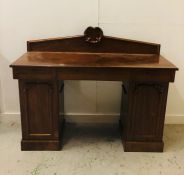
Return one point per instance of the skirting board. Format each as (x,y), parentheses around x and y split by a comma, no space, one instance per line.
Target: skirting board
(93,118)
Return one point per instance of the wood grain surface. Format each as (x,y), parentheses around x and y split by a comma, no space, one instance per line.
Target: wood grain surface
(79,59)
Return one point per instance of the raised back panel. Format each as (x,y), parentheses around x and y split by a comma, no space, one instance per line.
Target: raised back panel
(106,45)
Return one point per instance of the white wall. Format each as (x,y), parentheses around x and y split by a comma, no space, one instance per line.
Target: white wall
(160,21)
(153,21)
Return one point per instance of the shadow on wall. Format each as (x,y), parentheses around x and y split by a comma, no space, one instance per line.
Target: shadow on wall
(92,97)
(0,97)
(175,100)
(8,88)
(80,97)
(1,101)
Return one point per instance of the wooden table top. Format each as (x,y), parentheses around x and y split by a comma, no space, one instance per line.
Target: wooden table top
(92,60)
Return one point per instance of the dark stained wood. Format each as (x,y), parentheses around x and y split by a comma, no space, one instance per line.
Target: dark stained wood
(32,73)
(143,114)
(39,101)
(40,145)
(94,74)
(144,72)
(73,66)
(105,60)
(116,75)
(93,35)
(135,146)
(107,45)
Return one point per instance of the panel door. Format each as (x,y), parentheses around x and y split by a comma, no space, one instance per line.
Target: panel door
(39,108)
(147,111)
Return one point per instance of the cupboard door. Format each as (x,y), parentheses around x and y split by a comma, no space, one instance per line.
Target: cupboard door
(147,111)
(39,109)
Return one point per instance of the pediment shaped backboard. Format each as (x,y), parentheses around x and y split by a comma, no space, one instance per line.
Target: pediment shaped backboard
(105,44)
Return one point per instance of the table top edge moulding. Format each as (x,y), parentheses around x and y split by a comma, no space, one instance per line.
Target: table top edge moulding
(92,60)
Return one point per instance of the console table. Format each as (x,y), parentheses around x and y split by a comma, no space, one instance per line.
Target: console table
(144,72)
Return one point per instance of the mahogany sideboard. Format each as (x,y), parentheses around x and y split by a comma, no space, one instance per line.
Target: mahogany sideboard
(144,72)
